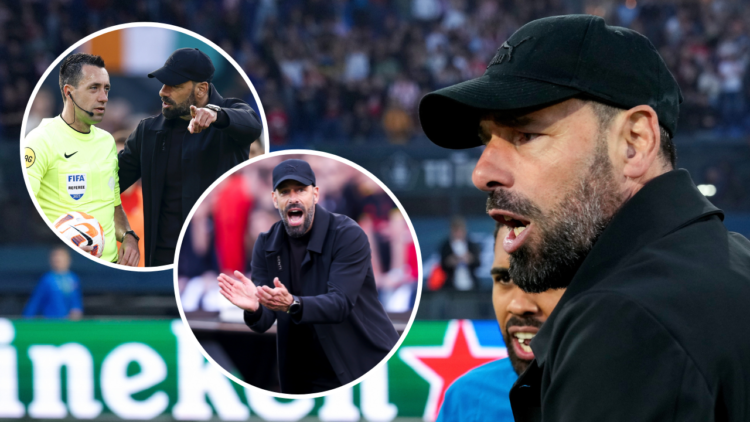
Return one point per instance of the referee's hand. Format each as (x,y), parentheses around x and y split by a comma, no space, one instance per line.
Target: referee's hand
(201,119)
(129,254)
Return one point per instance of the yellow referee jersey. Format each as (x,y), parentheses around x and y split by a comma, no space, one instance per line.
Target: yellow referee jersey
(74,171)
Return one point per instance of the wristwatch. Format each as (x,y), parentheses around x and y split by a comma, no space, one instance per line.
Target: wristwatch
(132,233)
(295,307)
(215,108)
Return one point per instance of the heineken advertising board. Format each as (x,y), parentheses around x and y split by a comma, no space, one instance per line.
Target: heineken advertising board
(152,369)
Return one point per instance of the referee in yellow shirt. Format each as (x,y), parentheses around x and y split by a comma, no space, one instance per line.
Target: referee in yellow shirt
(72,165)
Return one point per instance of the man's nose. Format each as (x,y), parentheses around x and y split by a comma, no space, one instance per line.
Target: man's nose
(522,303)
(493,169)
(164,91)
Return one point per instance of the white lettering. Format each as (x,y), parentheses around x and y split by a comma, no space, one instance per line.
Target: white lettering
(118,388)
(198,379)
(47,363)
(373,396)
(10,406)
(268,408)
(339,406)
(438,173)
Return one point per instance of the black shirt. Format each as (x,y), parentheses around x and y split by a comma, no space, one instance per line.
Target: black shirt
(306,356)
(170,211)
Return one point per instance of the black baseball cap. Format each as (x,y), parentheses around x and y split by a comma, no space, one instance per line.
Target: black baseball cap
(550,60)
(185,64)
(293,170)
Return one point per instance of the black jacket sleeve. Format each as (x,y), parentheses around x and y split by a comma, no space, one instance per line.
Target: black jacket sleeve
(351,261)
(616,362)
(129,159)
(244,125)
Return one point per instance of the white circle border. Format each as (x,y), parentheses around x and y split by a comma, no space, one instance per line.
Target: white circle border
(372,177)
(72,48)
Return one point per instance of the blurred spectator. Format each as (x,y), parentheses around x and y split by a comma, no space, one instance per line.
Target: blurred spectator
(231,212)
(313,63)
(42,108)
(459,257)
(731,100)
(58,294)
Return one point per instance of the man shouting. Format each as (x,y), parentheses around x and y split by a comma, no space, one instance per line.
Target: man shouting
(314,277)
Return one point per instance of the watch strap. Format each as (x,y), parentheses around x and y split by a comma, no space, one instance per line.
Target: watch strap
(132,233)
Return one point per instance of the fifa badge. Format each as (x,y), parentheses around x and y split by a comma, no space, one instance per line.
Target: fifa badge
(76,185)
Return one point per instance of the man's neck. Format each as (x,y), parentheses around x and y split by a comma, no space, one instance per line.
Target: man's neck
(69,116)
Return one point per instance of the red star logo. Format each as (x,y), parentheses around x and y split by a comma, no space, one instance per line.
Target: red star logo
(441,365)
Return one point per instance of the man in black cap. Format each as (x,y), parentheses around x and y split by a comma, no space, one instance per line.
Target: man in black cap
(576,118)
(197,137)
(314,279)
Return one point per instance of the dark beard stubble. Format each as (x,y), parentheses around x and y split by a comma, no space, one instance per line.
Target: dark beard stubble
(568,232)
(178,110)
(298,231)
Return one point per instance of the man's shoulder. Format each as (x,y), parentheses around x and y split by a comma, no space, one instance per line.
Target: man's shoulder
(345,226)
(233,102)
(497,375)
(341,220)
(42,133)
(151,121)
(272,232)
(103,136)
(481,394)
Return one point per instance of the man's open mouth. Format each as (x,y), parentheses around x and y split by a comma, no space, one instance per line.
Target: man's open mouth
(519,229)
(521,339)
(295,216)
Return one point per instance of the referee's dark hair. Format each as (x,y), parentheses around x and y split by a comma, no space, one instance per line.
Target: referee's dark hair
(70,69)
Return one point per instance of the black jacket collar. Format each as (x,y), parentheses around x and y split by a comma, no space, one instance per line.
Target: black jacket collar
(161,123)
(318,233)
(664,205)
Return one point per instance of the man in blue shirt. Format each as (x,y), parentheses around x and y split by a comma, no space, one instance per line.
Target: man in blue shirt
(58,294)
(482,393)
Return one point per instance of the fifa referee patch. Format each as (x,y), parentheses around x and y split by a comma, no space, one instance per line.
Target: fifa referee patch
(76,185)
(30,157)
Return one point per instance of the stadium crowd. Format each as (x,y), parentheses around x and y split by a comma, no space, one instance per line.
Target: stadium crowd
(345,70)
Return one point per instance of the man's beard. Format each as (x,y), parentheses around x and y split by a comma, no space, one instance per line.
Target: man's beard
(177,110)
(566,233)
(297,231)
(519,365)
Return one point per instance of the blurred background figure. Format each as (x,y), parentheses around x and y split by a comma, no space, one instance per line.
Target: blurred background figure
(459,258)
(58,294)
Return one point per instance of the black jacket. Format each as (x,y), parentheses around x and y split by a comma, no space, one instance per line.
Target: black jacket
(654,325)
(205,157)
(446,251)
(340,298)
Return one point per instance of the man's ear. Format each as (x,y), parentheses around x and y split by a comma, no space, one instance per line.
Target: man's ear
(639,141)
(316,193)
(275,200)
(201,90)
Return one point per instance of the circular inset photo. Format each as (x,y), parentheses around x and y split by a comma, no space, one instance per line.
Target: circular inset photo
(298,273)
(124,132)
